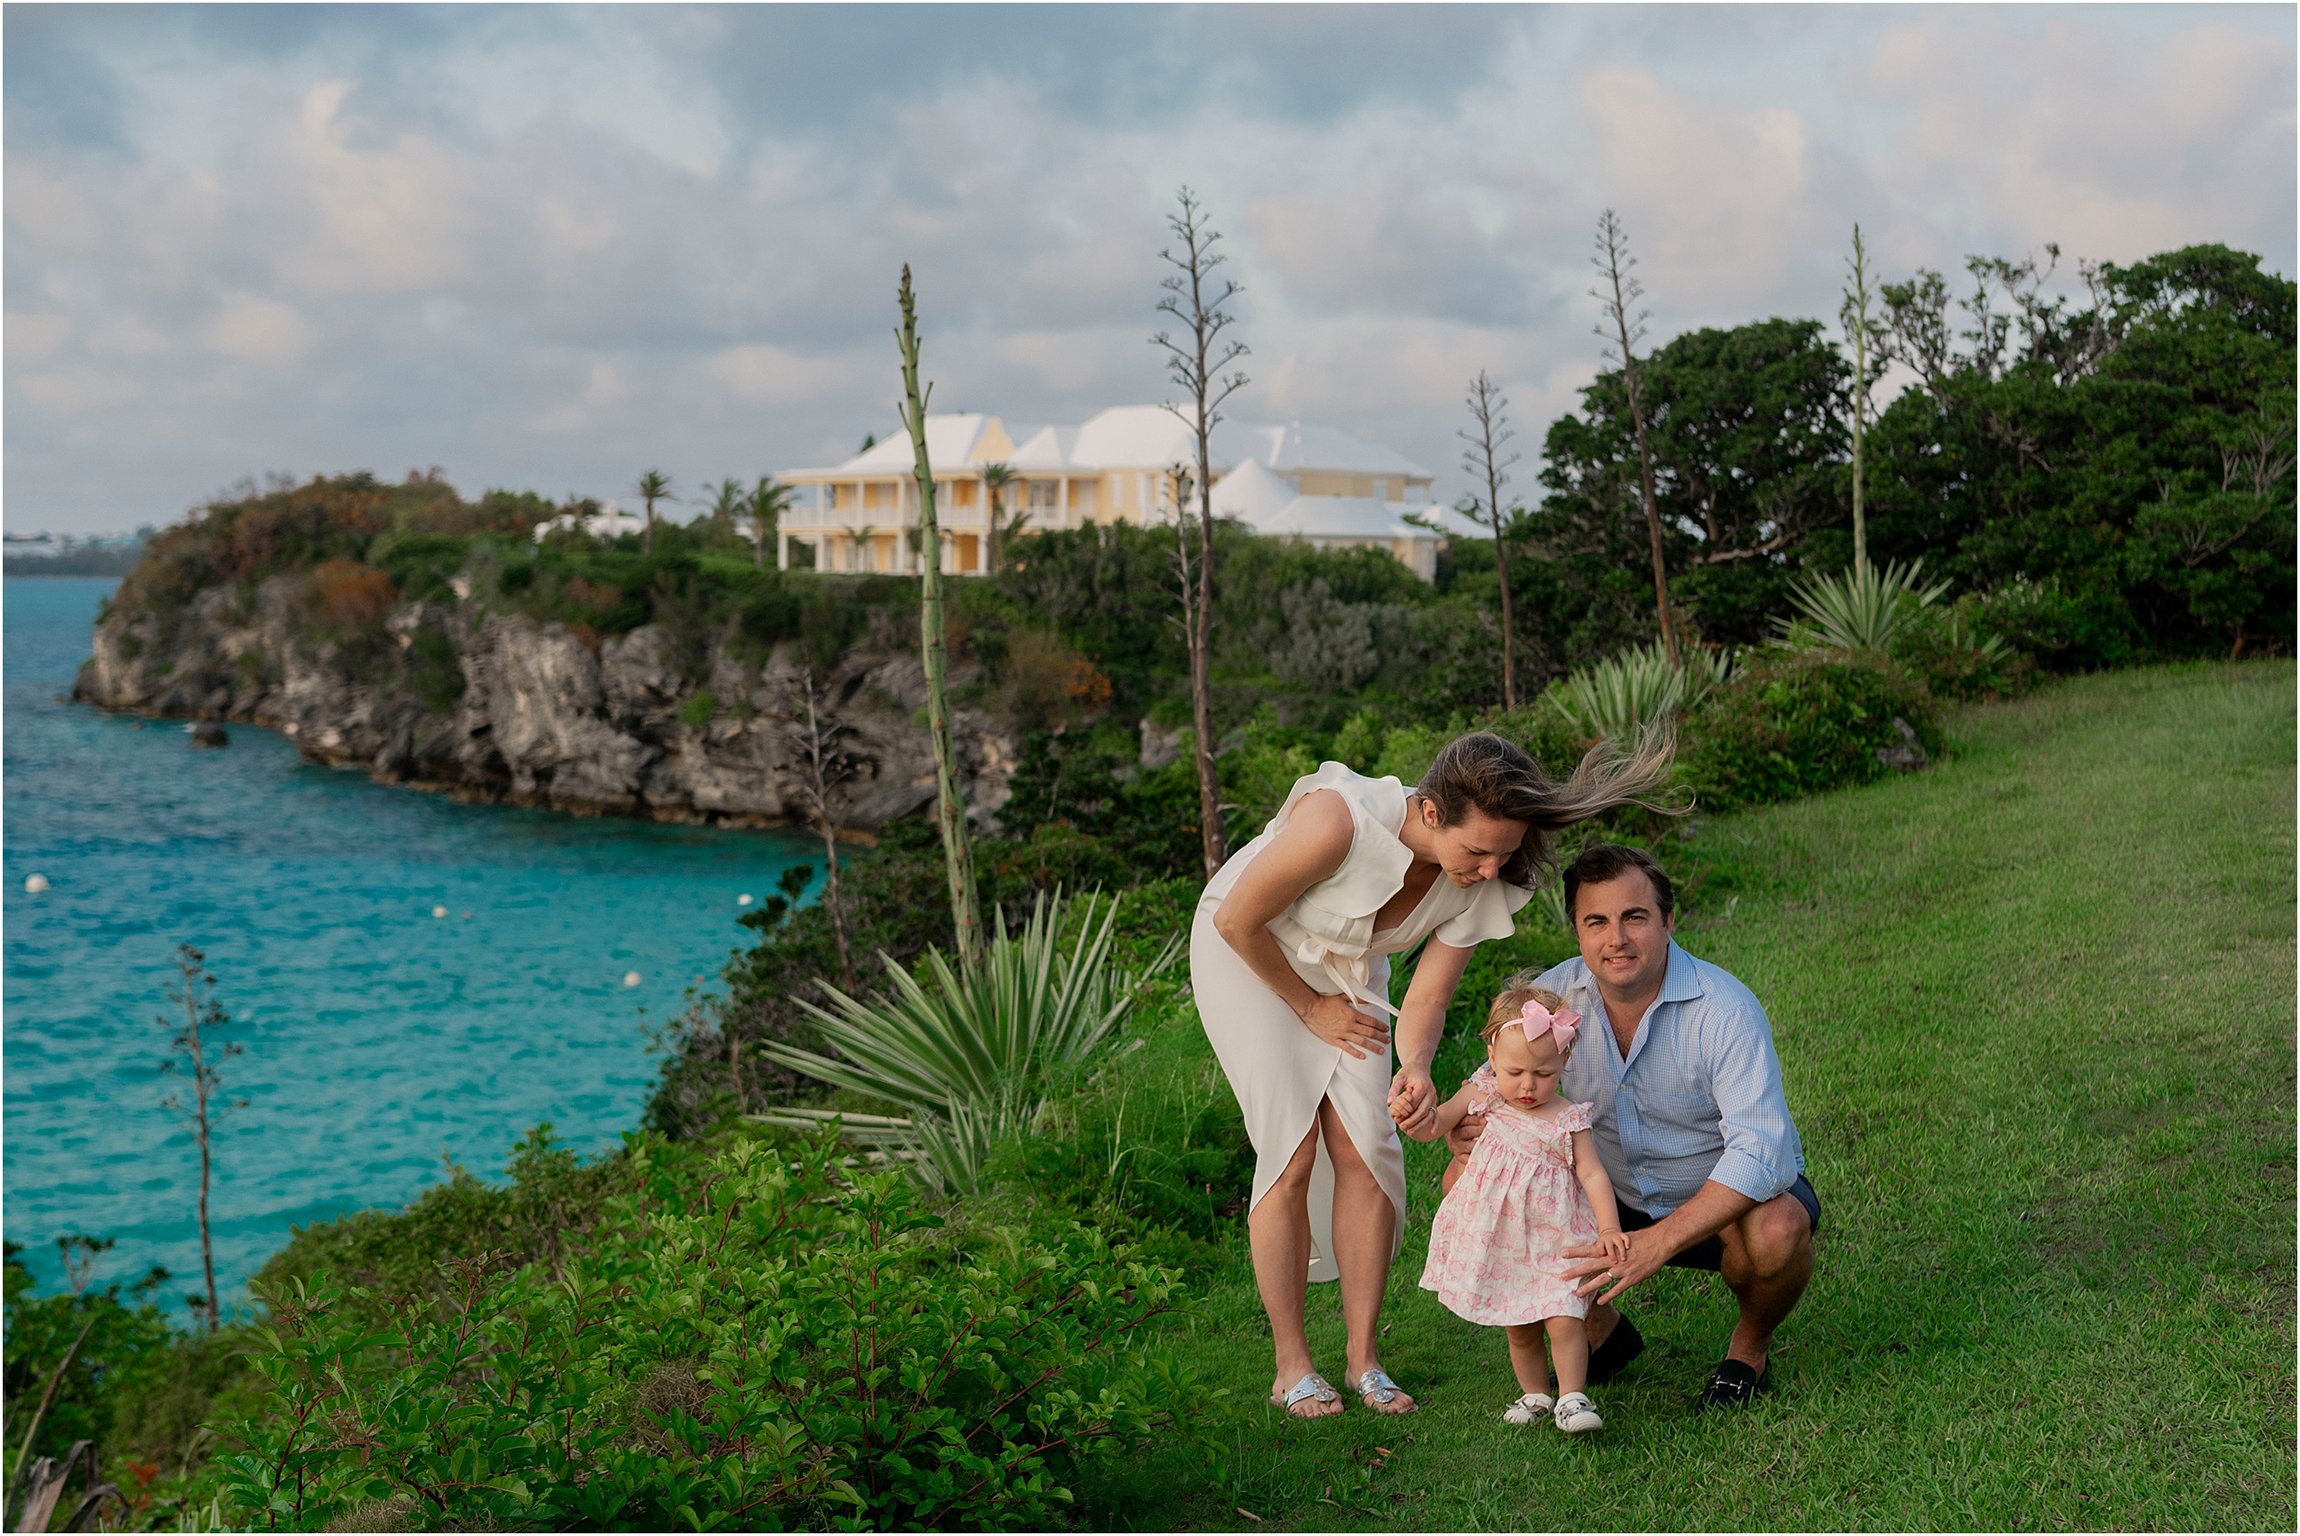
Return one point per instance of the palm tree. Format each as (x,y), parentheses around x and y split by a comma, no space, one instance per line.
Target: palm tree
(653,486)
(996,478)
(767,503)
(727,498)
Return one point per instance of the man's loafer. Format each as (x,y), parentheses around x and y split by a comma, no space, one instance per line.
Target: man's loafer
(1610,1358)
(1732,1385)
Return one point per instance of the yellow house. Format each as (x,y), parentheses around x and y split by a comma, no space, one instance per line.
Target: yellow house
(1118,466)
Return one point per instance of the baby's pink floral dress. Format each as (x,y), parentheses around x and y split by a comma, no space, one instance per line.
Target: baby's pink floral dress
(1497,1245)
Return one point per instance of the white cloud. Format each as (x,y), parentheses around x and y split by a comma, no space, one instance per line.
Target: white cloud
(35,338)
(2115,152)
(260,331)
(1719,202)
(548,248)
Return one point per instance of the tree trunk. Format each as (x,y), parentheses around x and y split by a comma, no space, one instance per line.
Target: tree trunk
(950,812)
(1216,846)
(1508,649)
(1860,329)
(207,1247)
(1652,513)
(822,799)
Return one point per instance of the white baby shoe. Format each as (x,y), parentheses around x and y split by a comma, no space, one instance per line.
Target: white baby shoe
(1576,1415)
(1529,1409)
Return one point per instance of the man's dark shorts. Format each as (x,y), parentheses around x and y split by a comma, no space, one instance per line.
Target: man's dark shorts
(1709,1253)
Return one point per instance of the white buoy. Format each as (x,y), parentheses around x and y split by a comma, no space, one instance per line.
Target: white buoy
(438,911)
(743,900)
(35,884)
(630,978)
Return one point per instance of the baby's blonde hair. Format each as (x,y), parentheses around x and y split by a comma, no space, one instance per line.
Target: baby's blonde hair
(1512,1001)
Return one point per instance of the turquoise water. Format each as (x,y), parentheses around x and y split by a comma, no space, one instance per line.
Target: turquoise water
(378,1038)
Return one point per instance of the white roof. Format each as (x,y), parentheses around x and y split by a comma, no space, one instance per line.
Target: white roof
(1046,448)
(1346,517)
(953,438)
(1251,494)
(1293,448)
(1132,437)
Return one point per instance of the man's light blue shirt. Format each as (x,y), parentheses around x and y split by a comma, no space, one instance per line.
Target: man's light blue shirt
(1698,1097)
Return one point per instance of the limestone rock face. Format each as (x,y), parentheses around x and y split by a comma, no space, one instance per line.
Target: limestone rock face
(545,717)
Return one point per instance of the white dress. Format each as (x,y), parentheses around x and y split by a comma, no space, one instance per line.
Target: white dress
(1277,1067)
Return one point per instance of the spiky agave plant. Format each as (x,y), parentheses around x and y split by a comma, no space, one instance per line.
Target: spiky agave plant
(1861,610)
(974,1053)
(1640,692)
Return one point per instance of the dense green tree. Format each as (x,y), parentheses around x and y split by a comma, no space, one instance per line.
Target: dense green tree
(1747,431)
(2135,450)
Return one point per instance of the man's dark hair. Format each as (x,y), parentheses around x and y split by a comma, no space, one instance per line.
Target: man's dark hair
(1601,862)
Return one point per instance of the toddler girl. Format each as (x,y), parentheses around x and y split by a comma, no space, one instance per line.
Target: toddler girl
(1533,1189)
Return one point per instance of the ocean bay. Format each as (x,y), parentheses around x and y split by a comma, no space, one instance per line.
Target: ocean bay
(380,1039)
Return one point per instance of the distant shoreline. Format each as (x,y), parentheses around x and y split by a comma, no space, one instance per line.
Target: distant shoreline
(93,565)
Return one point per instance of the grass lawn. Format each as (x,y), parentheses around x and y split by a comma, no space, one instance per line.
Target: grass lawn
(2036,1011)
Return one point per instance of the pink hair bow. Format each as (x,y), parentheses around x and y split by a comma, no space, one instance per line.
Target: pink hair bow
(1535,1020)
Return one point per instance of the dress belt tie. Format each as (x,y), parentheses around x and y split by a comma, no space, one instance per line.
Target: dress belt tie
(1353,973)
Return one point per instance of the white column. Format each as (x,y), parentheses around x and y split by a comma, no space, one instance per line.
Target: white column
(782,550)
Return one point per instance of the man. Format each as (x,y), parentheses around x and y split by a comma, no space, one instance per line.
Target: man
(1689,1120)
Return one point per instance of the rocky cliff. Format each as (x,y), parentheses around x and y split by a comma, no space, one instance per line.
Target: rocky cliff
(545,715)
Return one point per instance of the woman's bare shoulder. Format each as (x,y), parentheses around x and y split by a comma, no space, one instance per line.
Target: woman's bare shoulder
(1323,815)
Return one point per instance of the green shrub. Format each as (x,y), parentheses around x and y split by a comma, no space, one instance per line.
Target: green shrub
(1946,645)
(422,563)
(1408,750)
(436,669)
(1542,731)
(783,1347)
(1798,724)
(549,1199)
(126,1346)
(1257,775)
(700,709)
(2054,628)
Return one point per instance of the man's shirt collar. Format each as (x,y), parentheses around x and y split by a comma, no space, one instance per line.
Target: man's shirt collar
(1681,983)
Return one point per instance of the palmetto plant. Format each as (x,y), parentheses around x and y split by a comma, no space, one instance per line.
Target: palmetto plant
(653,486)
(1860,610)
(975,1054)
(766,503)
(727,499)
(1640,692)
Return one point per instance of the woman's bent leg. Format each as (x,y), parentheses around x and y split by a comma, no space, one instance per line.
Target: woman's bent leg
(1365,1231)
(1279,1229)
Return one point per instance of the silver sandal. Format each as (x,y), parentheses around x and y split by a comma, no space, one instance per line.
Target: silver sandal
(1375,1386)
(1311,1385)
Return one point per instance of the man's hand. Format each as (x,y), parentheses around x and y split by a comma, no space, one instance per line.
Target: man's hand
(1338,1021)
(1597,1270)
(1462,1139)
(1413,1102)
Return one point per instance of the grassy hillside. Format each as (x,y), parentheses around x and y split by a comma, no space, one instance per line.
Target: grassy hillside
(2035,1009)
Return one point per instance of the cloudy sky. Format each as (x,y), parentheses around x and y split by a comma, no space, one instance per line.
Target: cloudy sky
(548,248)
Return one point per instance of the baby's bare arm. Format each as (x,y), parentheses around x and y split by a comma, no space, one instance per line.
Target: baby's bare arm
(1448,1116)
(1598,1185)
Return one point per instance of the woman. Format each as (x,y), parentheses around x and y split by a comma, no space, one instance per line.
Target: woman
(1289,961)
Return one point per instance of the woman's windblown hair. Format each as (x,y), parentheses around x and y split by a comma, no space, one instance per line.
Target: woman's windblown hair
(1482,772)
